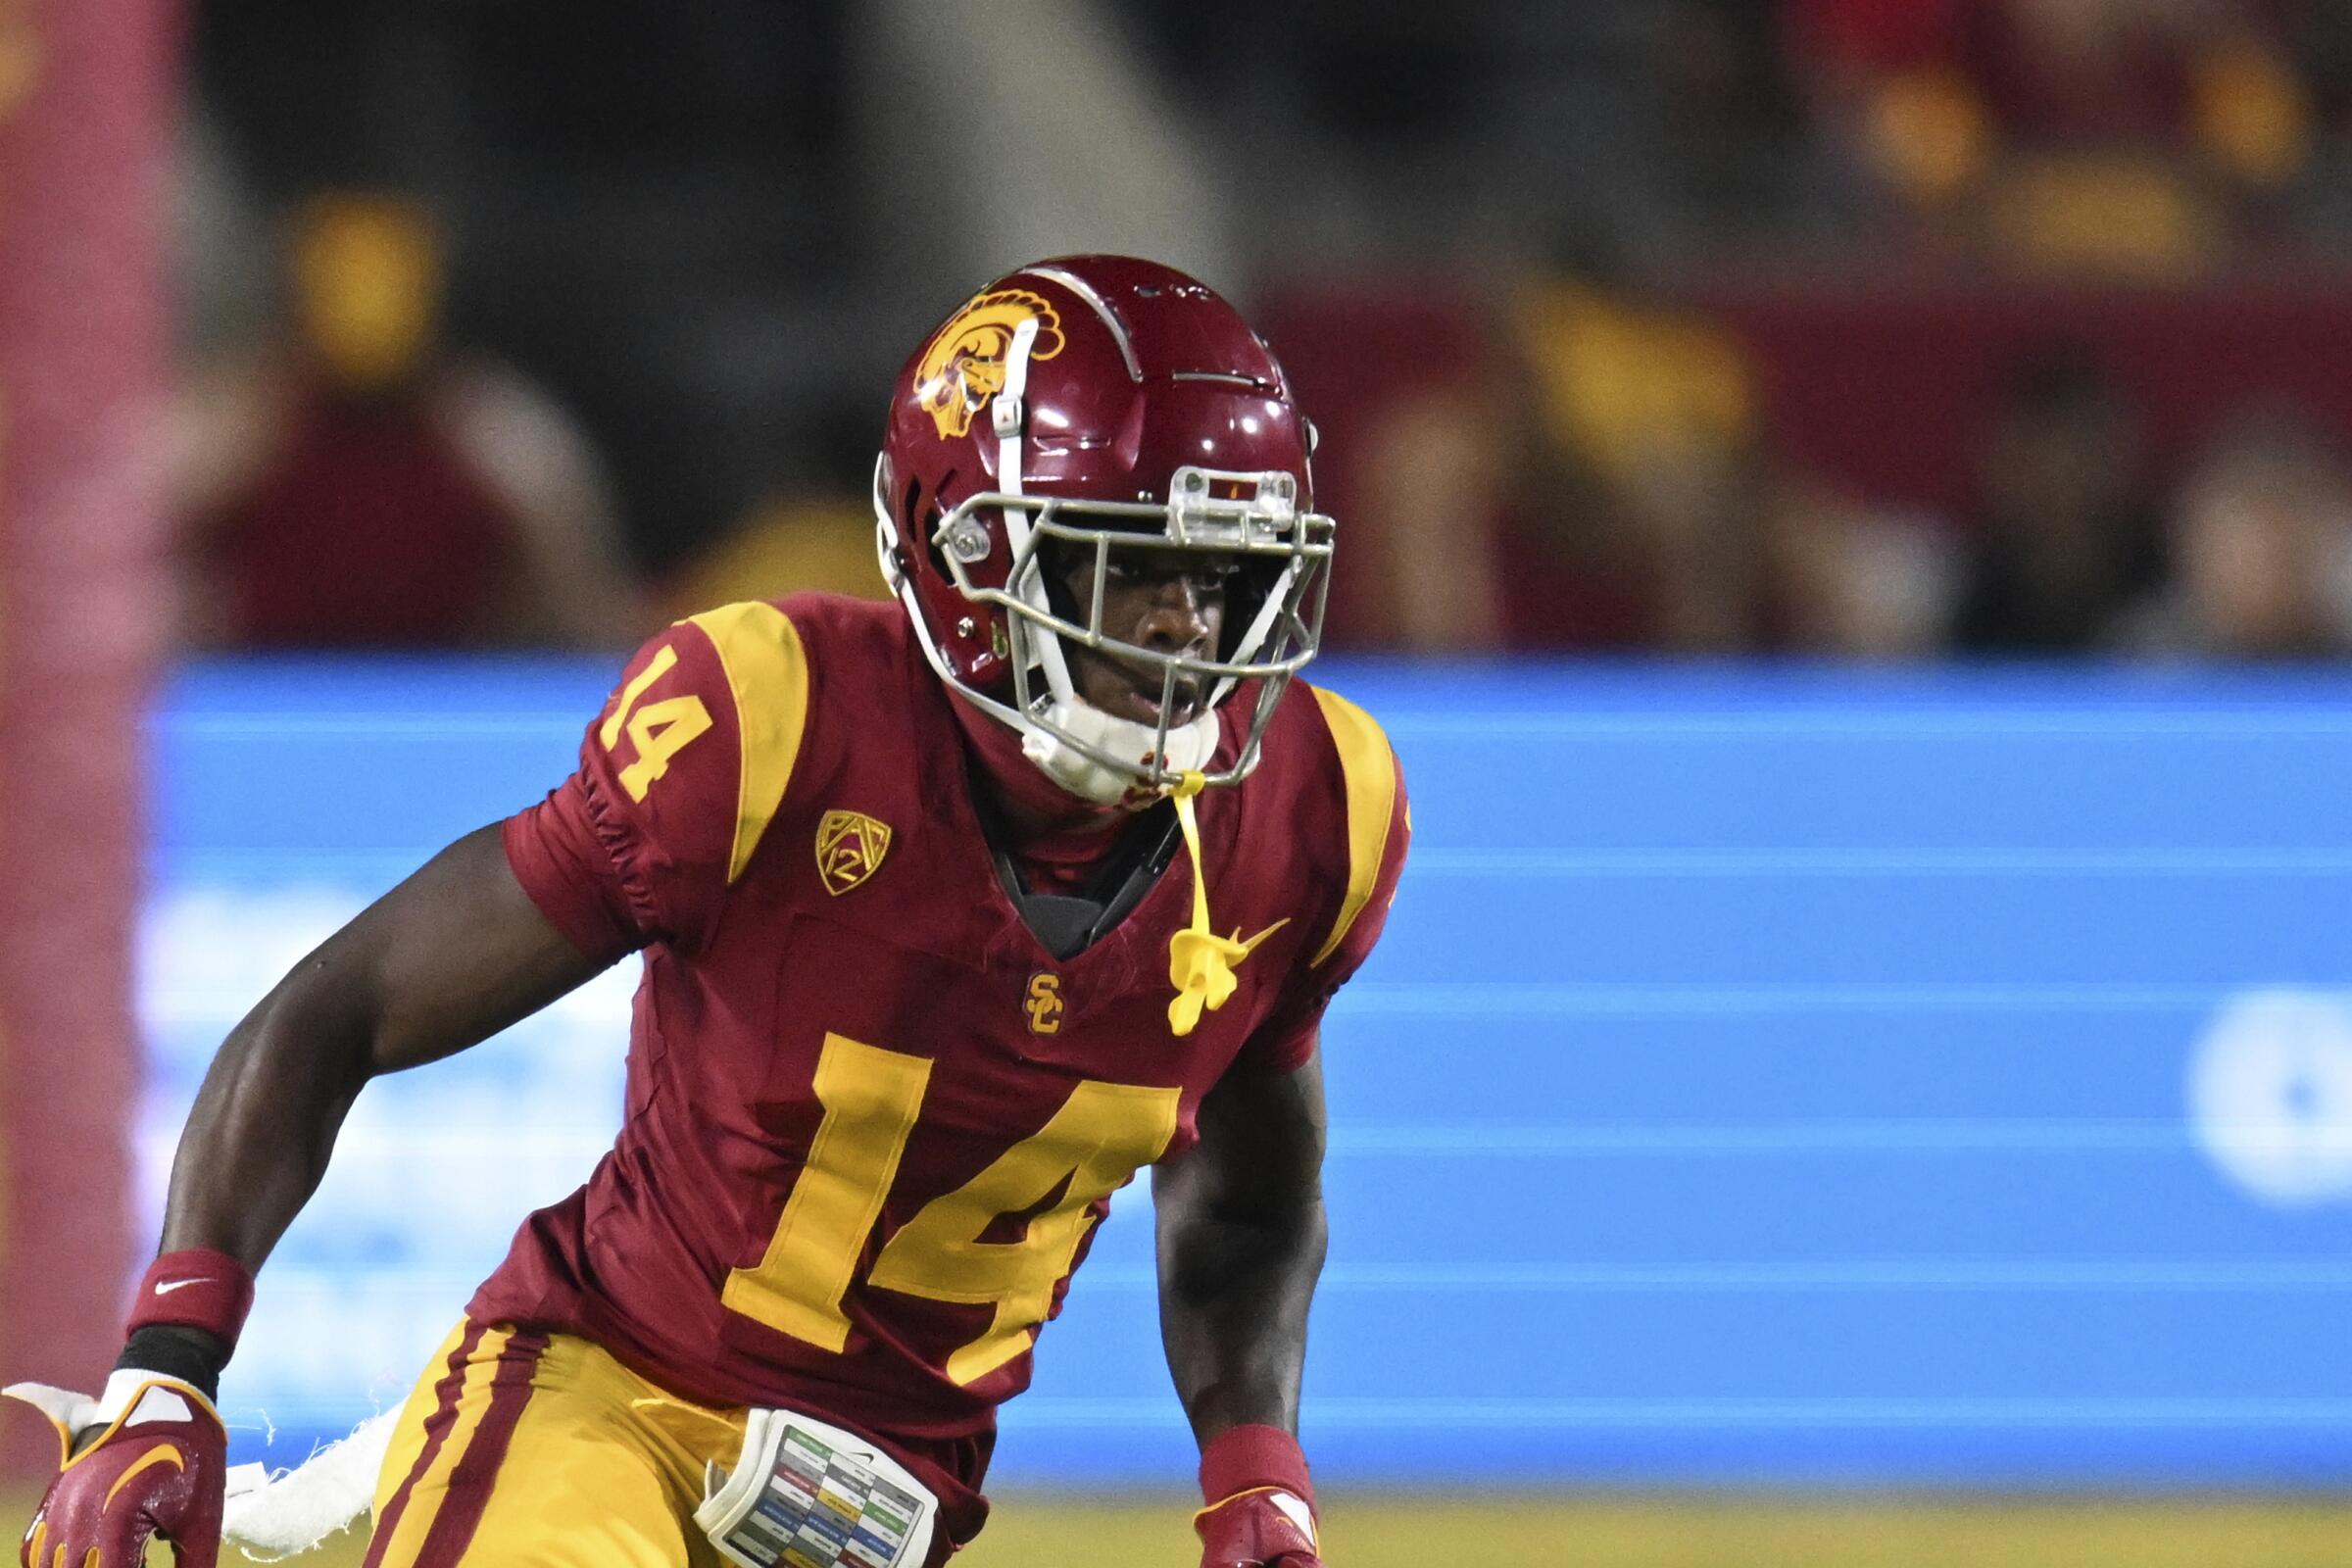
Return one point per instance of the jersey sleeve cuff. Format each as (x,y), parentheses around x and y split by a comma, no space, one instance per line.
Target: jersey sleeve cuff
(1280,1049)
(570,902)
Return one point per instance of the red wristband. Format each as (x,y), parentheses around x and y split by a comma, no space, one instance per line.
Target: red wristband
(1253,1458)
(195,1289)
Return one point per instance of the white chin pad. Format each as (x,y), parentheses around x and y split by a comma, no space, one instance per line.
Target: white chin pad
(1189,747)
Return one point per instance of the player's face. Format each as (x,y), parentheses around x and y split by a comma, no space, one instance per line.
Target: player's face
(1167,600)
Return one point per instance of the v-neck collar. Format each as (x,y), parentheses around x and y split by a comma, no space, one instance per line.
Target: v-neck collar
(1141,849)
(975,858)
(972,857)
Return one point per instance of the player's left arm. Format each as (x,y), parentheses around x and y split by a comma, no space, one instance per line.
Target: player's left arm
(1242,1226)
(1242,1237)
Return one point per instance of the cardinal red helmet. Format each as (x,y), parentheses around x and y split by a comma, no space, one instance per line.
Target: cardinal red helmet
(1100,404)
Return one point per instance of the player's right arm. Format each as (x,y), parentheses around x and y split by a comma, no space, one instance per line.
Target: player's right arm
(638,846)
(447,959)
(443,962)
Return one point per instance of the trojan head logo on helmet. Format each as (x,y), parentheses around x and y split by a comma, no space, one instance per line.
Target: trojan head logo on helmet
(1103,411)
(965,365)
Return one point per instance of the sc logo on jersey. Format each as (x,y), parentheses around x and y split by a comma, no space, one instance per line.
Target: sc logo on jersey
(1044,1003)
(965,365)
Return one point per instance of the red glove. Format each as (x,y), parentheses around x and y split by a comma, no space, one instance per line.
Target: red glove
(1261,1507)
(157,1465)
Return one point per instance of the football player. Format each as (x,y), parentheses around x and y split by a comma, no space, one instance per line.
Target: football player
(954,913)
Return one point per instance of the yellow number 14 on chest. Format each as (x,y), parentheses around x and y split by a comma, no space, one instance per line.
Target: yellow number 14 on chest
(872,1098)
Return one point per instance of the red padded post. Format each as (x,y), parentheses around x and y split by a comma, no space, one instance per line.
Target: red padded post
(84,110)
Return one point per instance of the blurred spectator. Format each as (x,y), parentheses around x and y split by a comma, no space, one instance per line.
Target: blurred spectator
(1413,458)
(2064,540)
(1432,474)
(363,484)
(1656,402)
(1596,491)
(1575,578)
(2262,550)
(1851,581)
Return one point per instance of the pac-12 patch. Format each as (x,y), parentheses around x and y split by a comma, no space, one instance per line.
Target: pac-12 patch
(850,846)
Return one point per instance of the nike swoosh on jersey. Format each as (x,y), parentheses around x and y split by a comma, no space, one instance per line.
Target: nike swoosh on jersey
(1251,946)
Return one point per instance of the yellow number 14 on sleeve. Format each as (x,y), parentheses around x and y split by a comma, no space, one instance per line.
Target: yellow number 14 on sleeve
(659,730)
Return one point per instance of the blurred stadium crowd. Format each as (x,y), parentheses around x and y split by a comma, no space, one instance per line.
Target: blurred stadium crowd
(1872,328)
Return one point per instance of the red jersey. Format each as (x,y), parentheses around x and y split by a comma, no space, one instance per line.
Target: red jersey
(872,1121)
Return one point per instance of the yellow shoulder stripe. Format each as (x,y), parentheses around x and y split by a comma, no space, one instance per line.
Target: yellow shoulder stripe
(1370,771)
(768,672)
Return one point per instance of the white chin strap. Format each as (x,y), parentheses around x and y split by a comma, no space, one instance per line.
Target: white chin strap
(1189,749)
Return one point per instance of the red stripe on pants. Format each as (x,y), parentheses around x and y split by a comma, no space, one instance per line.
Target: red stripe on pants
(470,1482)
(436,1431)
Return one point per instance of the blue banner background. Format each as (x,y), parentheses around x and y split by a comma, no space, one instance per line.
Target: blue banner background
(1770,1078)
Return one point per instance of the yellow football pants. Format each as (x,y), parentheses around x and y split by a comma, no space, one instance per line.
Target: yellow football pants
(539,1451)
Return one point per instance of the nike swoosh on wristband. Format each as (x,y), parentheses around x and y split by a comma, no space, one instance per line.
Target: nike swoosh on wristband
(169,1285)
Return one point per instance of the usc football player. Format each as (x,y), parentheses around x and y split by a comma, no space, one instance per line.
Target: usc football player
(954,913)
